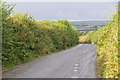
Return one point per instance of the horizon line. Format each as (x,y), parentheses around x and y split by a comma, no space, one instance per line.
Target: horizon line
(82,20)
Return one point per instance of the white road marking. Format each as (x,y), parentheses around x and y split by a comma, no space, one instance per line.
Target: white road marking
(76,65)
(75,70)
(80,44)
(74,77)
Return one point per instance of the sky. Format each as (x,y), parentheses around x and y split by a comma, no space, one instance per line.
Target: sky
(61,0)
(67,10)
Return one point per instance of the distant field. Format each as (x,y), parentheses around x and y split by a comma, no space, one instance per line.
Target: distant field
(84,27)
(89,23)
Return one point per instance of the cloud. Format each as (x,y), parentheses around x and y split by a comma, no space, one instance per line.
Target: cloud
(66,10)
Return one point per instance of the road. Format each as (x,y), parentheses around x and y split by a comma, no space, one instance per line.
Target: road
(76,62)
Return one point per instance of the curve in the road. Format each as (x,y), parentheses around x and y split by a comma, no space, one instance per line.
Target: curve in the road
(76,62)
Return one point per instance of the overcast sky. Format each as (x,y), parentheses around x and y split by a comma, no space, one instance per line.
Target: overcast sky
(61,0)
(67,10)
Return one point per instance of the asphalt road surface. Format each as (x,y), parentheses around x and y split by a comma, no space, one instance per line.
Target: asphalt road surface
(76,62)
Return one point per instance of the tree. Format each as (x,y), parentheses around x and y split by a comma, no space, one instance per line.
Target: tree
(65,22)
(6,10)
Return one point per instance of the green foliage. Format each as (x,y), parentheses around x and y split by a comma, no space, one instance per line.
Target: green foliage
(25,38)
(106,39)
(82,33)
(6,10)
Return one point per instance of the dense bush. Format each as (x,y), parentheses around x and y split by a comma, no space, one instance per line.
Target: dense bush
(25,38)
(106,39)
(82,33)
